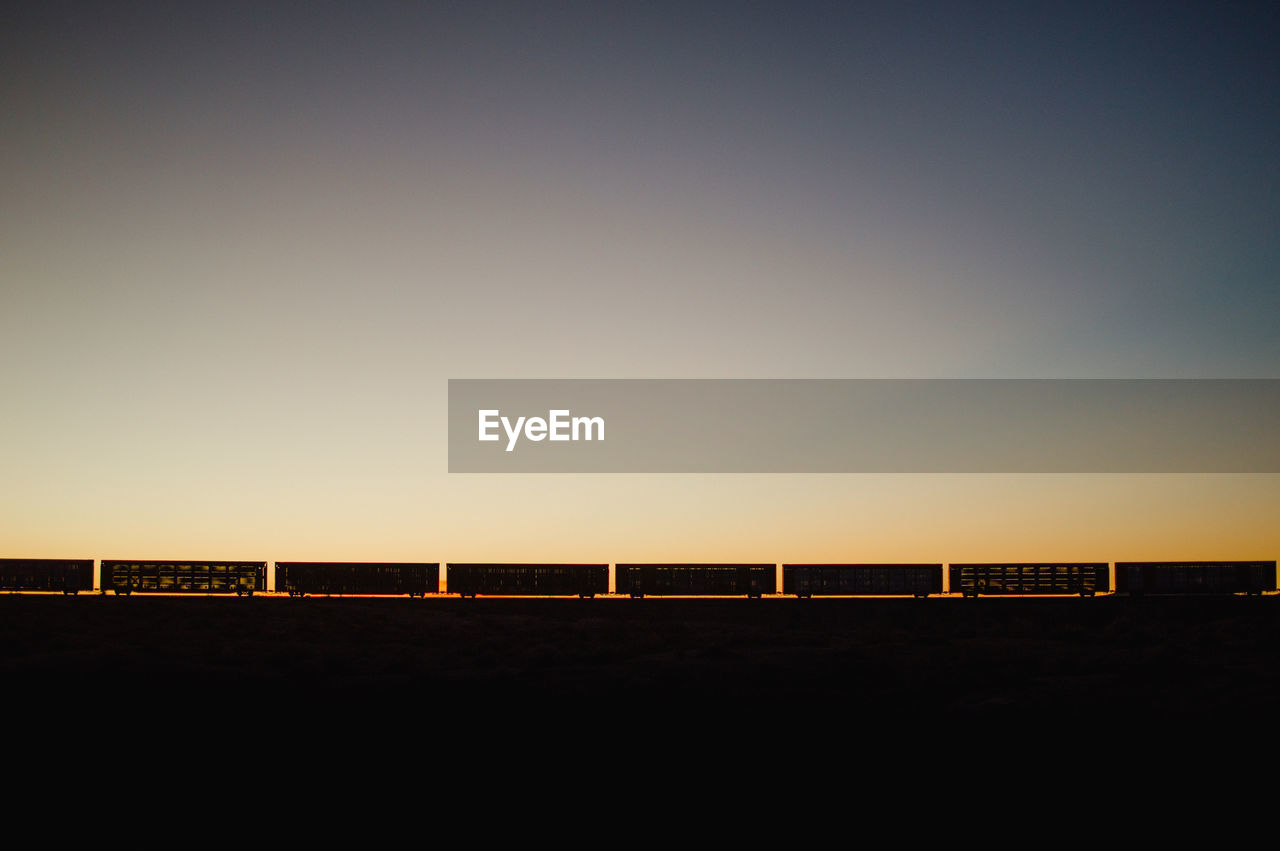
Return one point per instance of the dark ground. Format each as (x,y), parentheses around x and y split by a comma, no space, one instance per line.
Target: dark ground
(766,696)
(844,659)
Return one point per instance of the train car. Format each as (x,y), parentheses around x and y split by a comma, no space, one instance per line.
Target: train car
(300,578)
(1195,577)
(751,580)
(528,580)
(68,575)
(903,580)
(242,578)
(1083,578)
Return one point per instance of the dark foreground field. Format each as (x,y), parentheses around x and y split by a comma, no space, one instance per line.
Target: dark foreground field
(657,662)
(508,697)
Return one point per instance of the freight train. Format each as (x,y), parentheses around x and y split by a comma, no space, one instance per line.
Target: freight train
(418,579)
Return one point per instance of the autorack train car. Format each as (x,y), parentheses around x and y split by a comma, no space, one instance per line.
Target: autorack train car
(242,578)
(815,580)
(528,580)
(68,575)
(751,580)
(299,578)
(1031,578)
(1195,577)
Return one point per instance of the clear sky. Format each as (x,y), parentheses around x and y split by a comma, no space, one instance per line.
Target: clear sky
(244,245)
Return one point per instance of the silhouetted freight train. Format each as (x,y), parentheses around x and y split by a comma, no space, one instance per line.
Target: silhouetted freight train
(245,578)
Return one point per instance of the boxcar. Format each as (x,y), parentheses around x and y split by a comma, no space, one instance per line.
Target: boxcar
(68,575)
(184,577)
(1195,577)
(1083,578)
(300,578)
(751,580)
(913,580)
(528,580)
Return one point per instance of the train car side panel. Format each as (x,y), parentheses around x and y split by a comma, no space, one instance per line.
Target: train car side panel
(1030,578)
(299,578)
(242,578)
(527,580)
(68,575)
(751,580)
(1195,577)
(909,580)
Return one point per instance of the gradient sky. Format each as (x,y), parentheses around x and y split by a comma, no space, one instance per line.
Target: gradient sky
(244,245)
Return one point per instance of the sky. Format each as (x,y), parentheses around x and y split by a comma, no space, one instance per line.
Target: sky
(243,247)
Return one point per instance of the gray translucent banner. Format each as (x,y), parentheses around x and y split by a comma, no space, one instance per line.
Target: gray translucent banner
(864,426)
